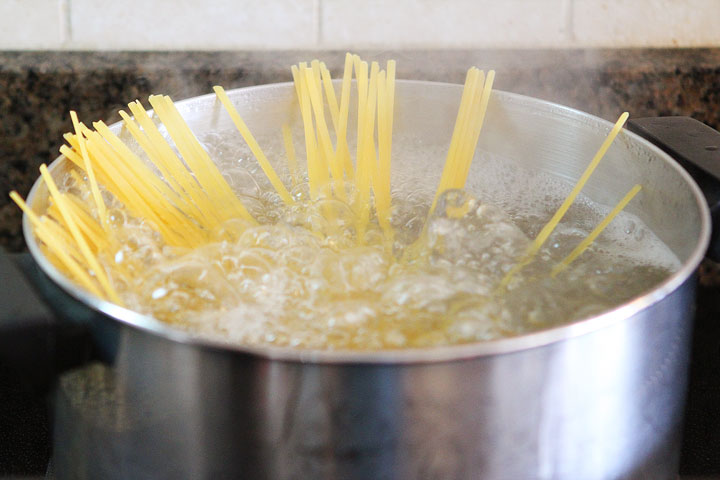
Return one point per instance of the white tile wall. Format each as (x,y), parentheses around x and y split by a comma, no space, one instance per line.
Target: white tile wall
(646,23)
(191,24)
(31,24)
(443,24)
(322,24)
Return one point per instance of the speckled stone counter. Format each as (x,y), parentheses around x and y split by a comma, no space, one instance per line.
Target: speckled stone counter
(39,88)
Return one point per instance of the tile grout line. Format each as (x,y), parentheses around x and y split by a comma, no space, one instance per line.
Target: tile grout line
(65,25)
(317,10)
(569,23)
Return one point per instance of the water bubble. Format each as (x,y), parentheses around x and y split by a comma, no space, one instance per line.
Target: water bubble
(159,293)
(302,279)
(117,218)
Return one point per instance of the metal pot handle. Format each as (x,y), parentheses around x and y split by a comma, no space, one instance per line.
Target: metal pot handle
(33,341)
(696,147)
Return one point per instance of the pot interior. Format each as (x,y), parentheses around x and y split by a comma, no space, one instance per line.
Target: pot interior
(523,132)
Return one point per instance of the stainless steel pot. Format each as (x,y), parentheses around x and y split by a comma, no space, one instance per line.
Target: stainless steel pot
(598,399)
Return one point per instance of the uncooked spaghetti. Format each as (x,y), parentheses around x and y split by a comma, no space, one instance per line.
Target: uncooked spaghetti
(204,248)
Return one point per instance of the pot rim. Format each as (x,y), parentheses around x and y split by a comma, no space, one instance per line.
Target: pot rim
(467,351)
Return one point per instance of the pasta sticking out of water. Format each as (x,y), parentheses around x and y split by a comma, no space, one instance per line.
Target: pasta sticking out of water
(547,230)
(319,246)
(596,231)
(257,151)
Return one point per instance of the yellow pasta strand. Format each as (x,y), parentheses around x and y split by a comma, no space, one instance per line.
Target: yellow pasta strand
(57,248)
(463,154)
(92,230)
(317,76)
(452,174)
(72,153)
(99,203)
(324,136)
(381,181)
(205,214)
(56,228)
(330,94)
(391,92)
(366,161)
(171,171)
(343,150)
(290,153)
(77,236)
(471,81)
(587,241)
(547,229)
(32,216)
(140,197)
(198,160)
(320,161)
(361,76)
(386,97)
(297,82)
(560,213)
(135,167)
(254,146)
(478,118)
(112,180)
(313,167)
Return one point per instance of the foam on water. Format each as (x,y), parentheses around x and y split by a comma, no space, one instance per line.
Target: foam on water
(302,280)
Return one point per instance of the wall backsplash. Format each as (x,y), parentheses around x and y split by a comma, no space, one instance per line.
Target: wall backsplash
(323,24)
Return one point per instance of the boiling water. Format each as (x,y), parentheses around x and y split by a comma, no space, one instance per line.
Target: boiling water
(302,279)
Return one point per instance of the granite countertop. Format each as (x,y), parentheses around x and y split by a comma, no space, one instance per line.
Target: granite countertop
(41,87)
